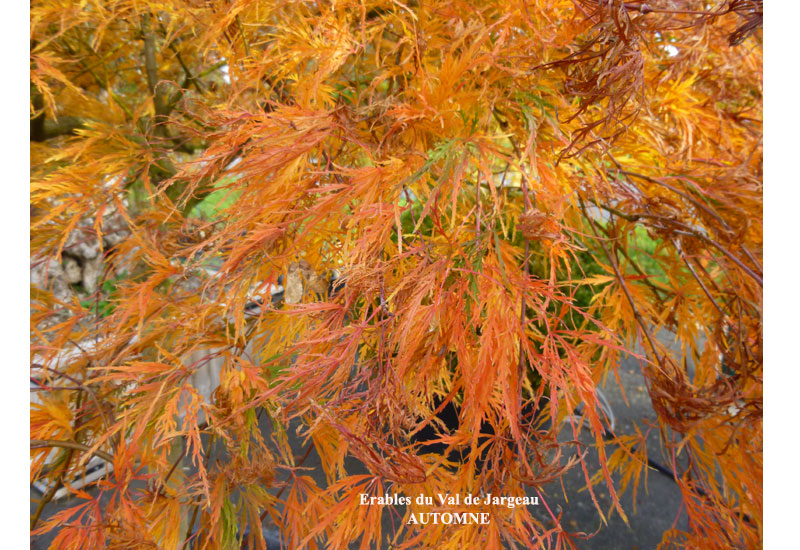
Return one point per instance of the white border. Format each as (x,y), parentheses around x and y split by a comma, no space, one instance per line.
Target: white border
(782,269)
(14,392)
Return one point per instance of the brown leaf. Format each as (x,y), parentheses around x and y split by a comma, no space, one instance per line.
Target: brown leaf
(293,289)
(313,281)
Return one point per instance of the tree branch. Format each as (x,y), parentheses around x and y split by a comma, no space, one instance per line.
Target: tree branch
(66,125)
(151,68)
(40,443)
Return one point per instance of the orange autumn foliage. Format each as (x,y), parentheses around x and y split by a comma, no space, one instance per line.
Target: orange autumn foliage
(452,196)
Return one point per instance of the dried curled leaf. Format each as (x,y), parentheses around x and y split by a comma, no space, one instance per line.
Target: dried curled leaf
(314,282)
(293,289)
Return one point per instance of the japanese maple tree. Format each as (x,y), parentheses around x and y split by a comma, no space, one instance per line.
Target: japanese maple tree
(452,196)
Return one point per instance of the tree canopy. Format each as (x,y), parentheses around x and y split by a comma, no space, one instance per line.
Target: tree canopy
(365,209)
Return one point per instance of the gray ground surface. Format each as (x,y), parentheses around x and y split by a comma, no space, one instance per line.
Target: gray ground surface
(657,509)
